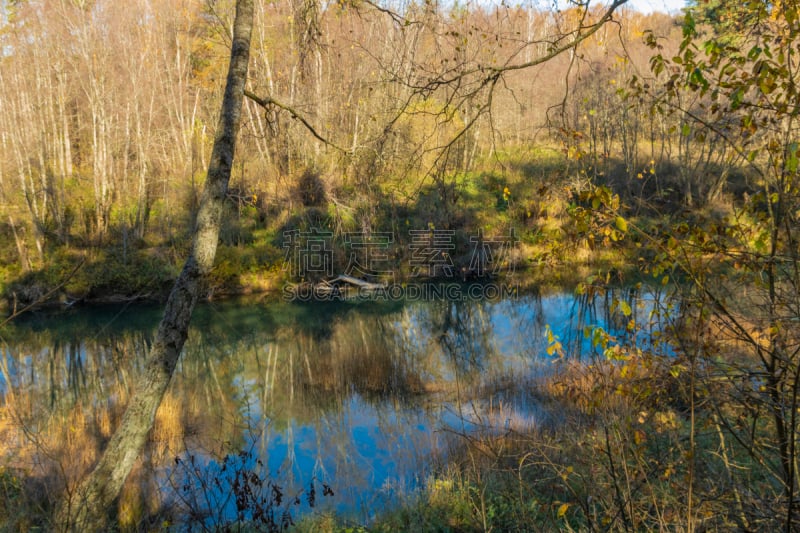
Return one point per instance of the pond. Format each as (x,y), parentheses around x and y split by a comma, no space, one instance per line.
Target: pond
(344,406)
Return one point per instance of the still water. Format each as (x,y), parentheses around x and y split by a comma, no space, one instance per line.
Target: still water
(346,406)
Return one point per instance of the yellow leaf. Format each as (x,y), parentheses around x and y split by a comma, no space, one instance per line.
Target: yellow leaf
(562,510)
(622,225)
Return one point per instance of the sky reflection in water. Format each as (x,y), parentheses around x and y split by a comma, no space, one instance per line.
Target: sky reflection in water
(361,398)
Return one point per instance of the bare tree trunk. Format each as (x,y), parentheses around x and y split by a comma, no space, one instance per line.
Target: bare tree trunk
(87,507)
(24,263)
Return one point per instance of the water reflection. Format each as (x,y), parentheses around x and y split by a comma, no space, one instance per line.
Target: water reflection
(354,397)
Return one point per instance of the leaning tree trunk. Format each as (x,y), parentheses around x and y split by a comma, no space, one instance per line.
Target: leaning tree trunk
(87,507)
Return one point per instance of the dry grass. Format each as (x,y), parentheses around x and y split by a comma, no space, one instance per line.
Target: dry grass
(52,453)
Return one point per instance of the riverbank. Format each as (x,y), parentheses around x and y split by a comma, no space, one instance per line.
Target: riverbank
(90,278)
(522,212)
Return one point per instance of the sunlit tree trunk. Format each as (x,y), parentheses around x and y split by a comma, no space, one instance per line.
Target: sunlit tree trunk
(87,506)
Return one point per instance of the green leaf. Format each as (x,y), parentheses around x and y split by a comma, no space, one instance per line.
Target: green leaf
(792,159)
(697,78)
(688,24)
(737,97)
(792,163)
(599,338)
(686,130)
(625,308)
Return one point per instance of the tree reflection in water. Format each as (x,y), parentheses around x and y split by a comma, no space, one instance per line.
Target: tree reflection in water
(352,397)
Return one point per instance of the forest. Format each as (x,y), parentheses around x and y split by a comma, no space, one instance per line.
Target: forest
(164,154)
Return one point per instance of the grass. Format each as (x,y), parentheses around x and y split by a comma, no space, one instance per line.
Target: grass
(529,189)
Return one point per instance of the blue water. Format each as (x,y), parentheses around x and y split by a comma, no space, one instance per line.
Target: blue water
(362,402)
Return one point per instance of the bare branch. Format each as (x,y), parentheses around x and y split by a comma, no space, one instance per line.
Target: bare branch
(267,102)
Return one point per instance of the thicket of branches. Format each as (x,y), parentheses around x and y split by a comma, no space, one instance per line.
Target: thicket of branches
(106,108)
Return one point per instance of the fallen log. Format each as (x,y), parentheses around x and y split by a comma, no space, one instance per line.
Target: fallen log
(357,282)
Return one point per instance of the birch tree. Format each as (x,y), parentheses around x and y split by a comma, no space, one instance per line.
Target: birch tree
(85,508)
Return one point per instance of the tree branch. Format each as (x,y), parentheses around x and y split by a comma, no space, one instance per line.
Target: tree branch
(269,101)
